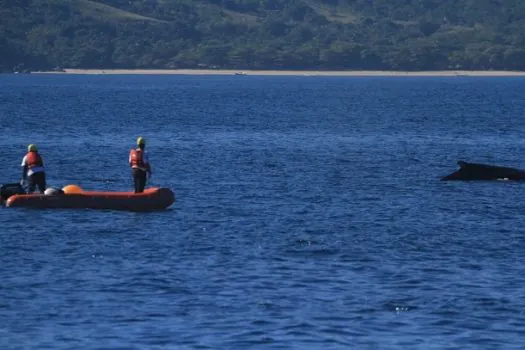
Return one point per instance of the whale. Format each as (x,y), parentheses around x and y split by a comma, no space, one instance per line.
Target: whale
(484,172)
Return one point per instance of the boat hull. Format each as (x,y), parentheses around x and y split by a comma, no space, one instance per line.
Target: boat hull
(150,200)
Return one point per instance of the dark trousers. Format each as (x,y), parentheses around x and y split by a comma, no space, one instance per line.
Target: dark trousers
(37,179)
(139,179)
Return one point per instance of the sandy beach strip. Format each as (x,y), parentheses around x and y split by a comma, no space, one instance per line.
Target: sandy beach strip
(291,72)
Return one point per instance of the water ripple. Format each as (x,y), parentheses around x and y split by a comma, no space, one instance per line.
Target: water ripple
(309,214)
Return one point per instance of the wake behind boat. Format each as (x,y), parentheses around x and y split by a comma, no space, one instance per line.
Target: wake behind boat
(72,196)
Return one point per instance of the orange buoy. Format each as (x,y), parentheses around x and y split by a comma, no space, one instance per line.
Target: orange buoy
(70,189)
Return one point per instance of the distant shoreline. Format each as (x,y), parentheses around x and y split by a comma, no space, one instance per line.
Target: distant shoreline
(290,72)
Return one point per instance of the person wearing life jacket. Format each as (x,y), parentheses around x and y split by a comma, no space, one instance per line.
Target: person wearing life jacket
(33,172)
(140,166)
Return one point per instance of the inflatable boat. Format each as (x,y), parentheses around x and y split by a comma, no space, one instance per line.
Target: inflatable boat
(72,196)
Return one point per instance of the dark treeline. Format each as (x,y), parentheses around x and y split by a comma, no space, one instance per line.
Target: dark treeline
(263,34)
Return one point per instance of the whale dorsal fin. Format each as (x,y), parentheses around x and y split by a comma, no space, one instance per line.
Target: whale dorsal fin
(462,164)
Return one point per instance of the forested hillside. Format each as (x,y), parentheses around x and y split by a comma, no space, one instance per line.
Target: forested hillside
(263,34)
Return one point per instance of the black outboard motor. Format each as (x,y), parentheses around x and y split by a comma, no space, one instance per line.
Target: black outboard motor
(9,190)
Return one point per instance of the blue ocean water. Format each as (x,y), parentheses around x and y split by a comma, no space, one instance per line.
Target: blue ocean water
(309,214)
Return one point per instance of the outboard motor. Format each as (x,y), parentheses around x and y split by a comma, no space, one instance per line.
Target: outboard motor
(9,190)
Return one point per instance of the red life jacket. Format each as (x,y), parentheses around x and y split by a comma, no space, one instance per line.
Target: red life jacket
(136,158)
(33,160)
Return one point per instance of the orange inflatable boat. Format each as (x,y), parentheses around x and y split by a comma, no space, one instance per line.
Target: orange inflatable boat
(73,196)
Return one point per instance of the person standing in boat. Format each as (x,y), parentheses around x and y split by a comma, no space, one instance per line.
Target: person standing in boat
(140,166)
(33,172)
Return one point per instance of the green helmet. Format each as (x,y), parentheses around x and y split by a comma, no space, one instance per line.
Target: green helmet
(141,141)
(31,148)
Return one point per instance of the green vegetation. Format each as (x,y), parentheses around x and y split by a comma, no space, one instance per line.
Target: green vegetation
(263,34)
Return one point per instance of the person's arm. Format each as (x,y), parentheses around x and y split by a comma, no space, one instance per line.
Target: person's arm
(24,169)
(147,164)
